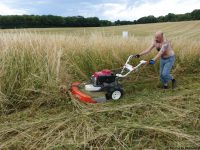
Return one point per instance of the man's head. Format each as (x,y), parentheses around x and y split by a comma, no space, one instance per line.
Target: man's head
(159,37)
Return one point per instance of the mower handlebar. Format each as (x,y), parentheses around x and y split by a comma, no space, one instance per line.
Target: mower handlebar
(133,56)
(130,68)
(130,57)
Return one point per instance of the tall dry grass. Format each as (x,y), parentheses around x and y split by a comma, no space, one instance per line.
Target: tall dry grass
(33,64)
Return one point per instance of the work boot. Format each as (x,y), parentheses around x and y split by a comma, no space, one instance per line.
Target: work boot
(165,87)
(173,83)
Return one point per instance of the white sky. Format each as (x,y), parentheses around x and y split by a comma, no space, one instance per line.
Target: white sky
(104,9)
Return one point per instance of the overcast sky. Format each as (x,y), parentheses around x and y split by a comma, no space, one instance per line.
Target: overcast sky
(104,9)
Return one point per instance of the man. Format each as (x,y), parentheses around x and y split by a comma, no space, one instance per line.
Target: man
(167,58)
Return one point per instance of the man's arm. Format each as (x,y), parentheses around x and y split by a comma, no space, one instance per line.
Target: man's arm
(147,50)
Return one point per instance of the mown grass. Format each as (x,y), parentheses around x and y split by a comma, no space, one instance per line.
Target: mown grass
(36,115)
(149,118)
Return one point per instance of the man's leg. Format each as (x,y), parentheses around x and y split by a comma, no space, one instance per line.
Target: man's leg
(162,64)
(167,69)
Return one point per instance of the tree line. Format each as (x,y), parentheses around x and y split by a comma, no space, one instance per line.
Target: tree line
(47,21)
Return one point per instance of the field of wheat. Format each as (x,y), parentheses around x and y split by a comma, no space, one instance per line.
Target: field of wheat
(35,114)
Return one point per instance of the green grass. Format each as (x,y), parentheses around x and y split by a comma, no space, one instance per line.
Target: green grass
(34,114)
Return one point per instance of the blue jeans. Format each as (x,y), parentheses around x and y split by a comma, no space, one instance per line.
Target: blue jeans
(166,65)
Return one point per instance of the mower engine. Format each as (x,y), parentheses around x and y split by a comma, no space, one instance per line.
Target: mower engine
(105,81)
(104,76)
(101,81)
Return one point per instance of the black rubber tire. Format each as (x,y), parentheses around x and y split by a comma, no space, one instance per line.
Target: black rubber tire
(111,91)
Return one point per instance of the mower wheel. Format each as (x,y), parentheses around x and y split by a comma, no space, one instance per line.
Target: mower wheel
(114,94)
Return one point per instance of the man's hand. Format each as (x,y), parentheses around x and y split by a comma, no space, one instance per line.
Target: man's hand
(151,62)
(135,56)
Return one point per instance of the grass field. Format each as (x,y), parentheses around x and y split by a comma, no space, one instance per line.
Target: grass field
(34,114)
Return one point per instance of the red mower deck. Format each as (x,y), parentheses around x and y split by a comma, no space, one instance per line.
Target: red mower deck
(81,96)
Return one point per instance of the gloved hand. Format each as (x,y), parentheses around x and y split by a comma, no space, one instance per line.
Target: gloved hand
(135,56)
(151,62)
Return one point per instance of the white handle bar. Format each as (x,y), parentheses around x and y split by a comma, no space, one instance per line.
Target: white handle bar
(129,67)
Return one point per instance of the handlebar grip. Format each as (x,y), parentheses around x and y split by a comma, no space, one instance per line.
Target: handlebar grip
(135,56)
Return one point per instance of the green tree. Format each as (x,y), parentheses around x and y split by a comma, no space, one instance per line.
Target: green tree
(195,14)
